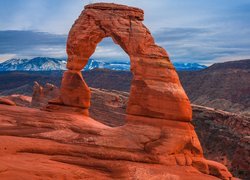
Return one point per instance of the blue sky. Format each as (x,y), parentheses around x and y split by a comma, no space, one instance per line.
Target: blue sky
(190,30)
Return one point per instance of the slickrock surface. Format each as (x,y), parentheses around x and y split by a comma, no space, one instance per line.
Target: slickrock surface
(224,136)
(20,100)
(36,144)
(7,102)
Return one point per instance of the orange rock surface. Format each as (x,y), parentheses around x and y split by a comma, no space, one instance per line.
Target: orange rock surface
(36,144)
(20,100)
(74,90)
(7,101)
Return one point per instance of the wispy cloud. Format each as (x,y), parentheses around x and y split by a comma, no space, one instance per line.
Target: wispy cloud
(30,44)
(109,51)
(203,45)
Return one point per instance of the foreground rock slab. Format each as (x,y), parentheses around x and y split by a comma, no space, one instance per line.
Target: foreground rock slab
(37,144)
(7,101)
(224,136)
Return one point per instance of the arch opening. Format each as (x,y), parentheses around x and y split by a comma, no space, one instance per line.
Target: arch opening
(109,55)
(108,101)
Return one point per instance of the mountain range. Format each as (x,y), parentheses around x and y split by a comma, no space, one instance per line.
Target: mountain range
(48,64)
(35,64)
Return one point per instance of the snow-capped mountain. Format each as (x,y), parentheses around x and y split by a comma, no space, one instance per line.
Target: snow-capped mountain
(125,66)
(119,66)
(48,64)
(35,64)
(188,66)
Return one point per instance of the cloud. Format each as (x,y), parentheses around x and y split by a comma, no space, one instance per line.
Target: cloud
(203,45)
(54,16)
(109,51)
(176,34)
(30,44)
(231,58)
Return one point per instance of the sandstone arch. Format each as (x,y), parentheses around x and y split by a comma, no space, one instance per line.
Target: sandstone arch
(155,90)
(158,128)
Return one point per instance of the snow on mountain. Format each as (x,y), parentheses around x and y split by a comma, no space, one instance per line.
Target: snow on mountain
(48,64)
(35,64)
(119,66)
(188,66)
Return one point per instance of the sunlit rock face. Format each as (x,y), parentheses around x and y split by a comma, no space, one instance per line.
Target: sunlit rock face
(158,129)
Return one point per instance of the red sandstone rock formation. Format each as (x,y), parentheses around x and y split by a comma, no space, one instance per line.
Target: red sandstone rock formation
(158,141)
(154,78)
(156,99)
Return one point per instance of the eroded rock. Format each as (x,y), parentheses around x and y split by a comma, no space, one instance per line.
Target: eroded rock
(155,90)
(41,95)
(74,91)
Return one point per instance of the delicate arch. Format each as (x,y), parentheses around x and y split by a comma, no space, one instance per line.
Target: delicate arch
(155,90)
